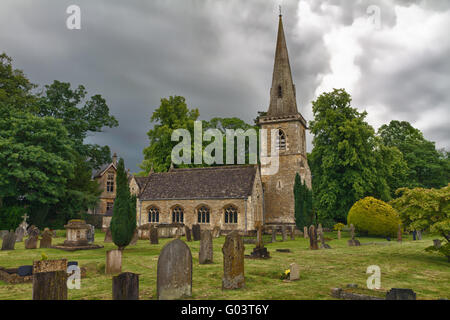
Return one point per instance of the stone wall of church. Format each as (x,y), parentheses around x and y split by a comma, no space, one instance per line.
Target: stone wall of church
(278,188)
(190,207)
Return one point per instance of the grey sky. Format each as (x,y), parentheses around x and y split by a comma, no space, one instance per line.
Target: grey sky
(219,55)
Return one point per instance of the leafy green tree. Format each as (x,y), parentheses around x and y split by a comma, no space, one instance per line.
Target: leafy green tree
(80,116)
(36,161)
(123,221)
(427,167)
(344,164)
(302,204)
(172,114)
(426,209)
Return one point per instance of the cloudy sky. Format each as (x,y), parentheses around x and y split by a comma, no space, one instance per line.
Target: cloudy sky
(393,56)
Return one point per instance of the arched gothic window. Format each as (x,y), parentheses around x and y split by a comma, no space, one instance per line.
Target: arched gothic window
(203,214)
(153,214)
(231,214)
(281,140)
(177,214)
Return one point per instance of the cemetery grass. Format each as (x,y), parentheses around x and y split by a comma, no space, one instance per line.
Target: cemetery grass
(403,265)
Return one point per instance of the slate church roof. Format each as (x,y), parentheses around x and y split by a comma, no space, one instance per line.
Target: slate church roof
(226,182)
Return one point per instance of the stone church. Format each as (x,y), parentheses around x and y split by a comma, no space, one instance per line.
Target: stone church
(236,197)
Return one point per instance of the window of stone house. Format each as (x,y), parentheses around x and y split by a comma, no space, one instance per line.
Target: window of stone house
(281,140)
(109,205)
(231,215)
(203,214)
(153,215)
(177,214)
(110,183)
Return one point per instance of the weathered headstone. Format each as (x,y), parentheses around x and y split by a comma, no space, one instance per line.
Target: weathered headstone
(353,242)
(196,232)
(294,273)
(20,233)
(419,234)
(305,232)
(90,234)
(31,242)
(49,265)
(216,232)
(9,241)
(205,254)
(33,231)
(46,241)
(400,294)
(174,271)
(50,285)
(313,238)
(135,238)
(274,234)
(144,232)
(283,233)
(292,233)
(108,236)
(187,232)
(399,233)
(260,252)
(153,235)
(323,245)
(113,261)
(125,286)
(233,262)
(3,233)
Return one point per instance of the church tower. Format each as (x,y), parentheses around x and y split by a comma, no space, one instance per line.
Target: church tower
(291,141)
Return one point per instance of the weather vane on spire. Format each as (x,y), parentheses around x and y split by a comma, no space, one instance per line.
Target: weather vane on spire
(279,7)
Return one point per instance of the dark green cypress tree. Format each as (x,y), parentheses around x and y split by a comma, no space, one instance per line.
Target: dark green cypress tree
(299,202)
(123,221)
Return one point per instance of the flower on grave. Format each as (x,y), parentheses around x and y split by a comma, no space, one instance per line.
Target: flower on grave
(44,256)
(285,274)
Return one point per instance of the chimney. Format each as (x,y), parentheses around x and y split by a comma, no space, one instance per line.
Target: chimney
(114,159)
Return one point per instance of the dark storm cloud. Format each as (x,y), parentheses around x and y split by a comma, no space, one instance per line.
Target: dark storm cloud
(219,55)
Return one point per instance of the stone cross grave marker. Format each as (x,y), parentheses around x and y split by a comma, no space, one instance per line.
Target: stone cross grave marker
(174,271)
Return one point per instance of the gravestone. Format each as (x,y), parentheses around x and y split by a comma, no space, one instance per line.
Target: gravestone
(135,238)
(9,241)
(294,272)
(153,235)
(31,242)
(419,234)
(174,271)
(33,231)
(90,234)
(400,294)
(283,233)
(274,234)
(205,254)
(20,233)
(3,233)
(437,243)
(339,234)
(76,233)
(46,241)
(144,232)
(216,232)
(125,286)
(40,266)
(353,242)
(323,245)
(292,233)
(50,285)
(108,236)
(113,261)
(313,238)
(187,232)
(196,232)
(24,271)
(233,262)
(260,252)
(305,232)
(399,233)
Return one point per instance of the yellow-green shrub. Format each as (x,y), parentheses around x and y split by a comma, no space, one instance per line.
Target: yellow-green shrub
(374,217)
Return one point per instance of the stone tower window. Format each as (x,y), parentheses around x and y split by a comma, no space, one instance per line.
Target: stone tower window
(153,214)
(203,214)
(177,214)
(280,92)
(110,183)
(281,140)
(231,215)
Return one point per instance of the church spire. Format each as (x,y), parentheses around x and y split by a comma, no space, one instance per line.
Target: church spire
(282,93)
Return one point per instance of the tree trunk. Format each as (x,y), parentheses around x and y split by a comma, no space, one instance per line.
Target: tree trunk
(126,286)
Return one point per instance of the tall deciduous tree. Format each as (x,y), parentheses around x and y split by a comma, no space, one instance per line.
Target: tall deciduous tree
(345,166)
(123,221)
(427,167)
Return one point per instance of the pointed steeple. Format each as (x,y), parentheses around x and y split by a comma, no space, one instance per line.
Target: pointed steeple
(282,93)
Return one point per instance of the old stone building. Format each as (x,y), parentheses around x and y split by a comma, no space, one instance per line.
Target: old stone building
(106,178)
(236,197)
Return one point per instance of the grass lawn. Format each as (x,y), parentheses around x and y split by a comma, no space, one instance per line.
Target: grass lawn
(403,265)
